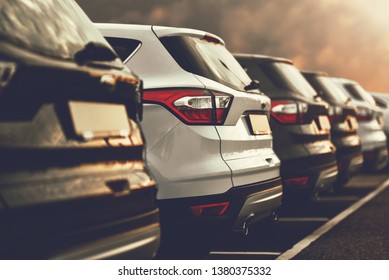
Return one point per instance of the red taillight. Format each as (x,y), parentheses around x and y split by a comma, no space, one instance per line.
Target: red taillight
(364,114)
(296,181)
(192,106)
(368,156)
(213,209)
(341,164)
(335,113)
(288,112)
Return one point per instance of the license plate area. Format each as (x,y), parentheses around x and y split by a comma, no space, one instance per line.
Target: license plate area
(323,123)
(92,120)
(352,123)
(259,124)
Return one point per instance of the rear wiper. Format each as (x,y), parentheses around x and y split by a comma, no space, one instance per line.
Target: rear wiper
(95,51)
(255,84)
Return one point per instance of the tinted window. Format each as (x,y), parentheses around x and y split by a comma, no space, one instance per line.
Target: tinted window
(331,90)
(124,47)
(380,102)
(208,59)
(294,80)
(359,93)
(54,28)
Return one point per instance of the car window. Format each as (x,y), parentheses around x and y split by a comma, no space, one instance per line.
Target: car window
(124,47)
(294,80)
(359,93)
(331,90)
(380,102)
(54,28)
(208,59)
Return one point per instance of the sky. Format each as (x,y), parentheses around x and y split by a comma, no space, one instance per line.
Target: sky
(347,39)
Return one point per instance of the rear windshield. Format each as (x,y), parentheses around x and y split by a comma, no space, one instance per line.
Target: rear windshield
(208,59)
(359,93)
(50,27)
(294,80)
(380,102)
(331,90)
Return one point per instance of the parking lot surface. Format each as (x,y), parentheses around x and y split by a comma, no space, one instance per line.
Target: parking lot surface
(362,234)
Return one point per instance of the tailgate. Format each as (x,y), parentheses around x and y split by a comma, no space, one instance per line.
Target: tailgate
(247,142)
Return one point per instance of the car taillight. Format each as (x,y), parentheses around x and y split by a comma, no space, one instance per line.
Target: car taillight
(364,114)
(7,70)
(289,112)
(334,113)
(192,106)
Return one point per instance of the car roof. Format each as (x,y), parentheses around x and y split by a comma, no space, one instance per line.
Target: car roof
(160,31)
(315,73)
(264,58)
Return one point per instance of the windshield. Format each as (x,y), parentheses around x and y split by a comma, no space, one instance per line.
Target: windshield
(50,27)
(331,90)
(295,80)
(208,59)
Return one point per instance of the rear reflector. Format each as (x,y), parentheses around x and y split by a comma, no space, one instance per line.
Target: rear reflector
(296,181)
(192,106)
(341,164)
(214,209)
(368,156)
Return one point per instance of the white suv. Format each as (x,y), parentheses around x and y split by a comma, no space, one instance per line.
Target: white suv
(209,144)
(370,124)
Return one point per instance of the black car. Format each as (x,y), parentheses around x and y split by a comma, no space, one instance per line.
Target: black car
(300,125)
(73,182)
(343,118)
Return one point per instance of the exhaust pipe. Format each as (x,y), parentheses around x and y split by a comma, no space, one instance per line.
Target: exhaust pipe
(244,229)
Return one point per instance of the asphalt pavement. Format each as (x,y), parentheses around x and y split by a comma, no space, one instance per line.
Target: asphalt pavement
(364,235)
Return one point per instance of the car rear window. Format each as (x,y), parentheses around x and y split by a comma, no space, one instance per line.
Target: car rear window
(359,93)
(50,27)
(124,47)
(380,102)
(291,78)
(207,58)
(331,90)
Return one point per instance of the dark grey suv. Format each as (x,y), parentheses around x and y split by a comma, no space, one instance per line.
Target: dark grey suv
(73,182)
(344,125)
(300,125)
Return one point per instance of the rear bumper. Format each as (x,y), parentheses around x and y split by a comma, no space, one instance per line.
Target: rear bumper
(321,171)
(350,161)
(141,243)
(247,204)
(375,160)
(137,237)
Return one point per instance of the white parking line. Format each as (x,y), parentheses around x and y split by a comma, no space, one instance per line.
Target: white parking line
(303,219)
(297,248)
(245,253)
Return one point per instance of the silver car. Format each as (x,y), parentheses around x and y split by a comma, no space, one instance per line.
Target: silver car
(370,124)
(382,101)
(209,144)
